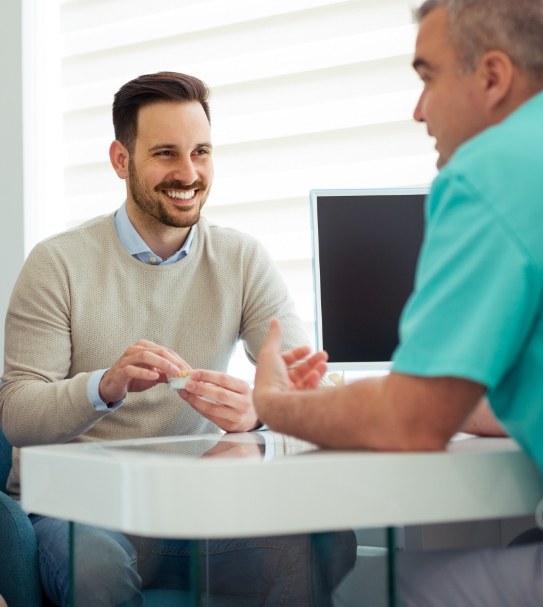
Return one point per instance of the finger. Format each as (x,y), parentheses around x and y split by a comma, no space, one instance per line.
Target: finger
(269,352)
(272,342)
(150,360)
(293,356)
(304,367)
(220,395)
(271,370)
(228,382)
(220,415)
(321,369)
(210,392)
(129,372)
(312,379)
(135,372)
(144,345)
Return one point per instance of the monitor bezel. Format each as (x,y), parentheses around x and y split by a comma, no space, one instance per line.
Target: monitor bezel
(365,366)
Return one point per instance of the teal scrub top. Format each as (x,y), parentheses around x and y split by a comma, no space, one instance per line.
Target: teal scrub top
(476,311)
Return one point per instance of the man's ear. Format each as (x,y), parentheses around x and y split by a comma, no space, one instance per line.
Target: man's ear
(497,73)
(119,156)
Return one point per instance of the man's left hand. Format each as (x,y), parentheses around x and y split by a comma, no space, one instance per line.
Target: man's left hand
(225,400)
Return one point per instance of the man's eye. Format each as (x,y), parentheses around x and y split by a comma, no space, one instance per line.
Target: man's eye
(202,152)
(165,153)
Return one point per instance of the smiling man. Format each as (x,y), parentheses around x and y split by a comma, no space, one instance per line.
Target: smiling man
(102,314)
(473,326)
(168,181)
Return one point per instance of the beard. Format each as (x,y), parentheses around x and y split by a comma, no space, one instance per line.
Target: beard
(152,206)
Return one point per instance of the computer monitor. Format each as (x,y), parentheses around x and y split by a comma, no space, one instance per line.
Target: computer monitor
(365,249)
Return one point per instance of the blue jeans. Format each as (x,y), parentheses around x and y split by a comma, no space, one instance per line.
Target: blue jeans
(111,568)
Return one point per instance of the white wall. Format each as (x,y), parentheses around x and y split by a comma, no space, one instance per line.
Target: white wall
(11,154)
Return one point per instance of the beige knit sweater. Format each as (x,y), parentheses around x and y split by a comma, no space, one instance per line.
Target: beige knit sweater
(81,299)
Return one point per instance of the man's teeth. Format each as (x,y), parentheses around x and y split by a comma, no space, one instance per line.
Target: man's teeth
(180,194)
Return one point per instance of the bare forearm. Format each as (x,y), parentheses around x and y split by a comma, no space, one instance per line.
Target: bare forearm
(396,413)
(363,415)
(325,416)
(483,422)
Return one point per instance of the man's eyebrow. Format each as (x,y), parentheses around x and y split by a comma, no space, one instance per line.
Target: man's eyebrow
(172,146)
(163,146)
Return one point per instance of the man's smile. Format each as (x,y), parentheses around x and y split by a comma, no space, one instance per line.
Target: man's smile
(180,194)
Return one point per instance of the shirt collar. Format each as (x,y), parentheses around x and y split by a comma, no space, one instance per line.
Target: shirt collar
(137,247)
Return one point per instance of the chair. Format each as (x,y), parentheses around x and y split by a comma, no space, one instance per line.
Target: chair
(19,577)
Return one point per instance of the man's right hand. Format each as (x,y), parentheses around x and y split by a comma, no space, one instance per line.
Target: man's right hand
(277,374)
(142,366)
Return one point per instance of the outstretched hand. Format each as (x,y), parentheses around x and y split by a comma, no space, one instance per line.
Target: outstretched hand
(304,371)
(293,370)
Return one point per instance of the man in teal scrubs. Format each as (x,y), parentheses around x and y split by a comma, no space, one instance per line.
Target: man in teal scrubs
(473,327)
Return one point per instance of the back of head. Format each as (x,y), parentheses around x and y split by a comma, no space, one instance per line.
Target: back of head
(512,26)
(153,88)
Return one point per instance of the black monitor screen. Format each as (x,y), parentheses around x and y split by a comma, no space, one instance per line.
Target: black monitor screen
(366,246)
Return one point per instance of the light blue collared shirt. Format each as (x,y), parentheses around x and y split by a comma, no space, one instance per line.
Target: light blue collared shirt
(137,247)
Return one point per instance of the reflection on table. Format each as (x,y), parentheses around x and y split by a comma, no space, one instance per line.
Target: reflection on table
(241,487)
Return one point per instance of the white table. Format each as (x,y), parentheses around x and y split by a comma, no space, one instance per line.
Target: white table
(164,488)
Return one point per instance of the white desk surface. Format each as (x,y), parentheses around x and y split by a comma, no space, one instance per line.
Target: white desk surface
(132,486)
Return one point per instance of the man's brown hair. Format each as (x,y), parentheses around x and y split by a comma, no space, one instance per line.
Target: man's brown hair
(153,88)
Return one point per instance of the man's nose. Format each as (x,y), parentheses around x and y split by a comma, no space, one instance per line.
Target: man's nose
(185,171)
(418,114)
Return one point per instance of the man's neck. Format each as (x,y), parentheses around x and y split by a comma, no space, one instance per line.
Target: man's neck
(167,243)
(163,240)
(523,88)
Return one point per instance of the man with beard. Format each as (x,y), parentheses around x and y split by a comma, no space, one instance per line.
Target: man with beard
(102,314)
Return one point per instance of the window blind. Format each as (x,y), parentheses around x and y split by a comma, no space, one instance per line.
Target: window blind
(304,94)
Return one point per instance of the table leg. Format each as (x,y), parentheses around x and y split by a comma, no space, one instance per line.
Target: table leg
(391,566)
(71,567)
(195,574)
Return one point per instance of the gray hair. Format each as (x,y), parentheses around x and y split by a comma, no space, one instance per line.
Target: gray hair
(512,26)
